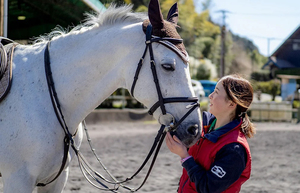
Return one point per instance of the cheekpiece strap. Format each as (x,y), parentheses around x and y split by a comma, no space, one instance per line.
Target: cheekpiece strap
(149,33)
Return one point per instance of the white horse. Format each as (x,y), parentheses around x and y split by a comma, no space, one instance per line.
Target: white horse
(88,64)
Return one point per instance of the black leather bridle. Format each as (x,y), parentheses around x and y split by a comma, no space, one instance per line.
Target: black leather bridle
(86,169)
(162,101)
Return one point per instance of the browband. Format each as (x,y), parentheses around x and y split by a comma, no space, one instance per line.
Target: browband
(168,43)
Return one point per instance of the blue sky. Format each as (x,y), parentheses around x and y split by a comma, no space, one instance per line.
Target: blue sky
(268,23)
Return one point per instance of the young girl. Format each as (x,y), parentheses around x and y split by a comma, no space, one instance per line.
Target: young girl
(220,161)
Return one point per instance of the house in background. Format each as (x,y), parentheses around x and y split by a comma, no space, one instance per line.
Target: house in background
(284,63)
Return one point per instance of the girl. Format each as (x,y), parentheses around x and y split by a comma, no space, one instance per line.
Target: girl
(220,161)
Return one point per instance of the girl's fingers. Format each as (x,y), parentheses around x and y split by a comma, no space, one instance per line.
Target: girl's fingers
(169,139)
(176,139)
(169,136)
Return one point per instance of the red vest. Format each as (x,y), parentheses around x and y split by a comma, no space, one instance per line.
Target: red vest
(204,154)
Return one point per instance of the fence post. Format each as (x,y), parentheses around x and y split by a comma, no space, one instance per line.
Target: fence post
(298,115)
(123,98)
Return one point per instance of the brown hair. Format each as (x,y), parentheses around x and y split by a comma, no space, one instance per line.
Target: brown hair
(240,91)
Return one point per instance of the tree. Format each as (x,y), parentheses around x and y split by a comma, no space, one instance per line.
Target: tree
(206,5)
(203,73)
(202,38)
(187,15)
(271,87)
(116,2)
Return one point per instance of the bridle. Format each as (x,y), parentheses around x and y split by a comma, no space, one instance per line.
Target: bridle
(168,42)
(86,169)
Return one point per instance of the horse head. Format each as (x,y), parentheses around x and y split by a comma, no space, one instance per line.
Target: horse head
(172,85)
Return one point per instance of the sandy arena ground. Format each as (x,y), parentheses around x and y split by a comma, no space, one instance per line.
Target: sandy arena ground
(123,146)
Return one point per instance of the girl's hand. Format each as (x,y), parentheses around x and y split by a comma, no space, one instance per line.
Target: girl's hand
(176,146)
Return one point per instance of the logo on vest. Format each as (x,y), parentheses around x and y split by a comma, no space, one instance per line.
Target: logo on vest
(218,171)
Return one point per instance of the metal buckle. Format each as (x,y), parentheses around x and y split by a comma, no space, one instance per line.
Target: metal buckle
(168,120)
(191,105)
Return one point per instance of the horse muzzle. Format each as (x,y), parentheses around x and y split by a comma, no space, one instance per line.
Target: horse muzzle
(188,133)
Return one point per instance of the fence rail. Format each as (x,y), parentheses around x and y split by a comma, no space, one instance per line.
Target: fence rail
(259,111)
(271,111)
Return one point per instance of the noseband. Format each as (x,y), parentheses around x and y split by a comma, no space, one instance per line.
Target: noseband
(162,101)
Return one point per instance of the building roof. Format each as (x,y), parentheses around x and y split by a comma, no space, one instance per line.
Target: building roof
(293,38)
(32,18)
(278,63)
(287,54)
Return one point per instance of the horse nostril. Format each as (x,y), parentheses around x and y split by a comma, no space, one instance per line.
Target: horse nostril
(193,130)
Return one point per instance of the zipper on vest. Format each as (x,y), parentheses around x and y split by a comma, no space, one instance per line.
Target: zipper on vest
(184,185)
(200,140)
(200,144)
(202,137)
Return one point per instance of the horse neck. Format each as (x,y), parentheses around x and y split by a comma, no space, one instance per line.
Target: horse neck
(89,67)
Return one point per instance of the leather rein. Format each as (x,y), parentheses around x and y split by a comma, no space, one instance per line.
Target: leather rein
(87,170)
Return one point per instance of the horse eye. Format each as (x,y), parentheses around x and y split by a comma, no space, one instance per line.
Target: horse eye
(168,67)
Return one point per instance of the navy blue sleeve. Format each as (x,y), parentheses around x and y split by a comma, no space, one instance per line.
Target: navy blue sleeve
(229,164)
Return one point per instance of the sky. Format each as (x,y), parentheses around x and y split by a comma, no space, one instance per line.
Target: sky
(268,23)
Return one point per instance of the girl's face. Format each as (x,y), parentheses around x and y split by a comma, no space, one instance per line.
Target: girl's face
(219,103)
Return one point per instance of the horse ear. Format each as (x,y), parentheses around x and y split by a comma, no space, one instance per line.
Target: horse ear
(155,15)
(173,14)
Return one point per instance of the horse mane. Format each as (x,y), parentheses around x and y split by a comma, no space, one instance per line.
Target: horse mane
(113,15)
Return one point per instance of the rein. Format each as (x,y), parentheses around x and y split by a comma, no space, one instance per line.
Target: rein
(87,169)
(59,115)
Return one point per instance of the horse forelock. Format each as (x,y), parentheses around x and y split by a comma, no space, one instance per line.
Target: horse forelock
(113,15)
(168,30)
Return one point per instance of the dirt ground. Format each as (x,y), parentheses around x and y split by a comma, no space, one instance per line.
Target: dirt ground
(122,146)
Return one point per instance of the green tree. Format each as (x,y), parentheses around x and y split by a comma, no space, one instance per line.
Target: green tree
(203,73)
(202,36)
(271,87)
(187,15)
(116,2)
(206,37)
(206,4)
